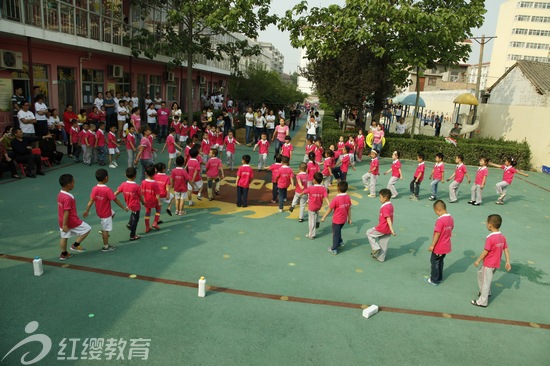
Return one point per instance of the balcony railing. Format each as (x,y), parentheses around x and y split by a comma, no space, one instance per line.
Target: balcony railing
(81,19)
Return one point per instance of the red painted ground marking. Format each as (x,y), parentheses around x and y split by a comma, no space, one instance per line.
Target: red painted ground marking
(303,300)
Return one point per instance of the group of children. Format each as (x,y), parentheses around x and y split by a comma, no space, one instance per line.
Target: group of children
(93,146)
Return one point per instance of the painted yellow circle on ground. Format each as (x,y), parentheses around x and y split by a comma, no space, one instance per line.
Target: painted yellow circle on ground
(65,265)
(473,256)
(241,232)
(226,256)
(297,238)
(132,276)
(364,306)
(530,262)
(446,315)
(292,264)
(359,270)
(50,232)
(548,217)
(528,227)
(284,298)
(534,325)
(498,284)
(163,248)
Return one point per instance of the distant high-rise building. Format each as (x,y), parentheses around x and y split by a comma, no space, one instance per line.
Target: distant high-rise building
(523,33)
(304,85)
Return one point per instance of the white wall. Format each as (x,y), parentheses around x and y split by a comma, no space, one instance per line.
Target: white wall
(516,89)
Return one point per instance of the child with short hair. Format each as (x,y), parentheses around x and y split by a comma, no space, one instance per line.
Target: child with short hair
(507,177)
(194,170)
(100,144)
(316,193)
(113,145)
(130,141)
(86,151)
(133,198)
(301,185)
(102,197)
(263,151)
(341,205)
(172,146)
(213,172)
(205,150)
(75,140)
(340,170)
(92,138)
(151,195)
(379,236)
(180,179)
(370,178)
(441,242)
(396,173)
(417,177)
(495,245)
(230,142)
(286,149)
(284,178)
(340,145)
(438,175)
(479,182)
(184,131)
(458,176)
(163,180)
(69,223)
(274,169)
(220,138)
(244,177)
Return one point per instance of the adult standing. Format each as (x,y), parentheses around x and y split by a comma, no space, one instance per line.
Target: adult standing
(27,120)
(163,113)
(249,125)
(227,124)
(17,100)
(41,110)
(281,131)
(437,126)
(152,117)
(259,124)
(6,162)
(158,101)
(98,101)
(110,110)
(68,117)
(270,124)
(311,128)
(122,114)
(134,99)
(293,116)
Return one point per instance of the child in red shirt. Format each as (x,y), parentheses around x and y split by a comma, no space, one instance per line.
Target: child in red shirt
(312,168)
(285,178)
(194,170)
(301,185)
(341,205)
(316,193)
(507,177)
(263,151)
(133,198)
(75,140)
(164,184)
(479,182)
(151,195)
(69,223)
(441,242)
(172,146)
(328,164)
(274,168)
(458,176)
(112,144)
(495,245)
(360,145)
(396,173)
(310,147)
(100,144)
(179,179)
(371,177)
(286,149)
(213,172)
(379,236)
(230,142)
(102,197)
(417,178)
(244,177)
(340,170)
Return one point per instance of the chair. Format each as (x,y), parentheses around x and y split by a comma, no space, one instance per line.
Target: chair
(44,159)
(22,167)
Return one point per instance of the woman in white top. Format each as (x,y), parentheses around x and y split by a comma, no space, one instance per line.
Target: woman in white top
(259,124)
(152,117)
(175,110)
(122,114)
(148,100)
(249,125)
(41,110)
(98,101)
(311,127)
(270,124)
(400,127)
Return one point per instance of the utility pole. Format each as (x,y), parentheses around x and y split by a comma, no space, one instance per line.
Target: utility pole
(482,42)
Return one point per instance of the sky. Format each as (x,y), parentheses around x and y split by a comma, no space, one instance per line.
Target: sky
(281,40)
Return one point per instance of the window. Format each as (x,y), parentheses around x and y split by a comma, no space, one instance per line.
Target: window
(538,32)
(519,31)
(517,44)
(514,57)
(122,84)
(40,79)
(539,5)
(92,83)
(539,19)
(172,91)
(432,81)
(155,83)
(537,46)
(525,4)
(522,18)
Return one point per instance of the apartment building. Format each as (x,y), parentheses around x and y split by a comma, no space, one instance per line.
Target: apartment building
(523,33)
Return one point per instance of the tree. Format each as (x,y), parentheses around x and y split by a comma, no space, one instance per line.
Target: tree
(186,29)
(399,34)
(261,86)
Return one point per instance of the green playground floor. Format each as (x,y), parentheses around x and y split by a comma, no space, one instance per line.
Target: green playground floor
(275,297)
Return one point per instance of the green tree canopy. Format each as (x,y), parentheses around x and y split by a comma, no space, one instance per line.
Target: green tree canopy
(186,29)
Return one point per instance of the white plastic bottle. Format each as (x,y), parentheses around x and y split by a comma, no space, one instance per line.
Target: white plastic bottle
(37,266)
(202,287)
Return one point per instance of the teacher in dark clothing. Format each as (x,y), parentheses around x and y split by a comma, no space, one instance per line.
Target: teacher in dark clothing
(22,150)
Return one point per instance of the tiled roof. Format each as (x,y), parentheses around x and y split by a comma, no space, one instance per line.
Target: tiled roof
(538,74)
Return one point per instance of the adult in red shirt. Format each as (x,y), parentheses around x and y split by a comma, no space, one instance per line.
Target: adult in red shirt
(68,116)
(441,242)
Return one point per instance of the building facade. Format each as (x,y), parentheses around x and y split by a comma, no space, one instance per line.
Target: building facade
(69,50)
(472,73)
(523,33)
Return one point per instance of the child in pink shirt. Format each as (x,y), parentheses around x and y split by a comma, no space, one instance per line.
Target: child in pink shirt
(310,147)
(163,181)
(360,145)
(180,179)
(213,172)
(379,236)
(130,142)
(102,197)
(418,177)
(286,149)
(458,176)
(171,146)
(230,142)
(194,170)
(441,242)
(274,169)
(101,144)
(495,245)
(438,175)
(371,177)
(341,205)
(75,140)
(479,182)
(112,144)
(312,168)
(299,196)
(395,173)
(316,194)
(285,178)
(507,177)
(263,151)
(319,151)
(245,174)
(151,195)
(133,198)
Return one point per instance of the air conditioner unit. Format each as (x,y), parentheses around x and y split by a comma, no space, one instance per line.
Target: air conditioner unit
(169,76)
(116,71)
(202,80)
(11,60)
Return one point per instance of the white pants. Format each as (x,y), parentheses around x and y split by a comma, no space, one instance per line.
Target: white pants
(327,181)
(476,193)
(484,279)
(391,185)
(230,159)
(302,198)
(369,180)
(453,190)
(501,188)
(313,219)
(262,161)
(378,241)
